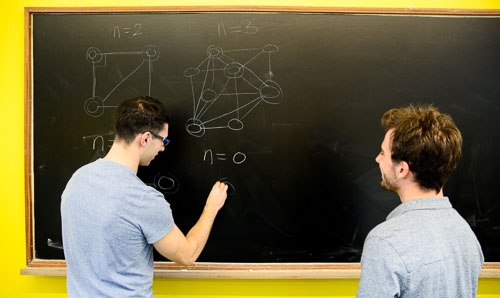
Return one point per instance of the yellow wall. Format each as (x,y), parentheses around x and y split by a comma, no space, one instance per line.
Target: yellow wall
(12,249)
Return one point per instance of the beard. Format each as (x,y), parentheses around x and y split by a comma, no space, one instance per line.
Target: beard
(389,184)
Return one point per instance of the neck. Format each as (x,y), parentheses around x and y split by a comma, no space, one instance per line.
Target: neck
(124,154)
(414,191)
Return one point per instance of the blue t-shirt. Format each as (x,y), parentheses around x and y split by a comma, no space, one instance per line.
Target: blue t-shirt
(110,219)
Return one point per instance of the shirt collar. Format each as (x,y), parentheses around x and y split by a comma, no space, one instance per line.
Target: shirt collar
(421,204)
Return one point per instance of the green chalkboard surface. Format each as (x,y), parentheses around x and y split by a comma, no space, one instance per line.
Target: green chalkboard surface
(285,107)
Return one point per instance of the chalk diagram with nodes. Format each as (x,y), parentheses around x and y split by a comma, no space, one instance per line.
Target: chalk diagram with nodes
(95,105)
(241,91)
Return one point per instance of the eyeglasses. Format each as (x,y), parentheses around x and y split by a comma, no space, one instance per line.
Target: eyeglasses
(165,140)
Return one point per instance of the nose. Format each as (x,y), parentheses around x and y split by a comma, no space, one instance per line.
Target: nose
(377,158)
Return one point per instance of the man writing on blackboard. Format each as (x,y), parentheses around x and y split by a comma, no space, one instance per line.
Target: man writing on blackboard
(424,248)
(111,220)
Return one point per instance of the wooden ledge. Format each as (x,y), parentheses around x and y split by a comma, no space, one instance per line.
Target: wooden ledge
(245,270)
(257,8)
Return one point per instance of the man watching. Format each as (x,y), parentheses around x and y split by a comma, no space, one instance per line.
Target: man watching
(424,248)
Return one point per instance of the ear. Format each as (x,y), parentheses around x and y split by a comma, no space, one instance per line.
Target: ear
(403,170)
(143,139)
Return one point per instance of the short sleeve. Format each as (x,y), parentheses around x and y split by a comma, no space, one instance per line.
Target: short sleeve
(155,217)
(382,270)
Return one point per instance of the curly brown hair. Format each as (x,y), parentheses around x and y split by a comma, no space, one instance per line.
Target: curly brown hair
(429,141)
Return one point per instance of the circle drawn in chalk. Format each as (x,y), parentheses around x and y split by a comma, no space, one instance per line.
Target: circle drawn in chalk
(167,183)
(94,55)
(234,70)
(271,92)
(208,95)
(195,127)
(239,158)
(191,72)
(94,106)
(270,48)
(235,124)
(214,52)
(151,53)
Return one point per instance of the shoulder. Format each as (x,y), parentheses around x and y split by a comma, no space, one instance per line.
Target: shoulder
(101,168)
(380,240)
(86,168)
(150,195)
(84,176)
(394,237)
(141,197)
(388,229)
(385,237)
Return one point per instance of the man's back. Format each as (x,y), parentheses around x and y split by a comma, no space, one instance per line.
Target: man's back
(424,249)
(110,219)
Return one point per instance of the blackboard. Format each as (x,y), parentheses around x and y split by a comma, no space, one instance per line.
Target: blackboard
(284,106)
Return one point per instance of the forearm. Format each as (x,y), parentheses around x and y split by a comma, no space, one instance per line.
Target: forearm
(198,235)
(186,249)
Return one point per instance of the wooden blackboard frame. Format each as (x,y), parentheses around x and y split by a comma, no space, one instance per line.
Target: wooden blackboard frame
(202,270)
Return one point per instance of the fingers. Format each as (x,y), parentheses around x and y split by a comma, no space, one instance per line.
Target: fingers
(221,185)
(220,189)
(224,185)
(218,195)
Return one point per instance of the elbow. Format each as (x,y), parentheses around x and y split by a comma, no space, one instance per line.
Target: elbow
(189,263)
(186,259)
(186,262)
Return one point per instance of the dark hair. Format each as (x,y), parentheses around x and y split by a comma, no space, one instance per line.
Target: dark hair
(138,115)
(427,140)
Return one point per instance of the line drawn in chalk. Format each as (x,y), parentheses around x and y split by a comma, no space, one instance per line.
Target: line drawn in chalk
(230,89)
(166,182)
(95,105)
